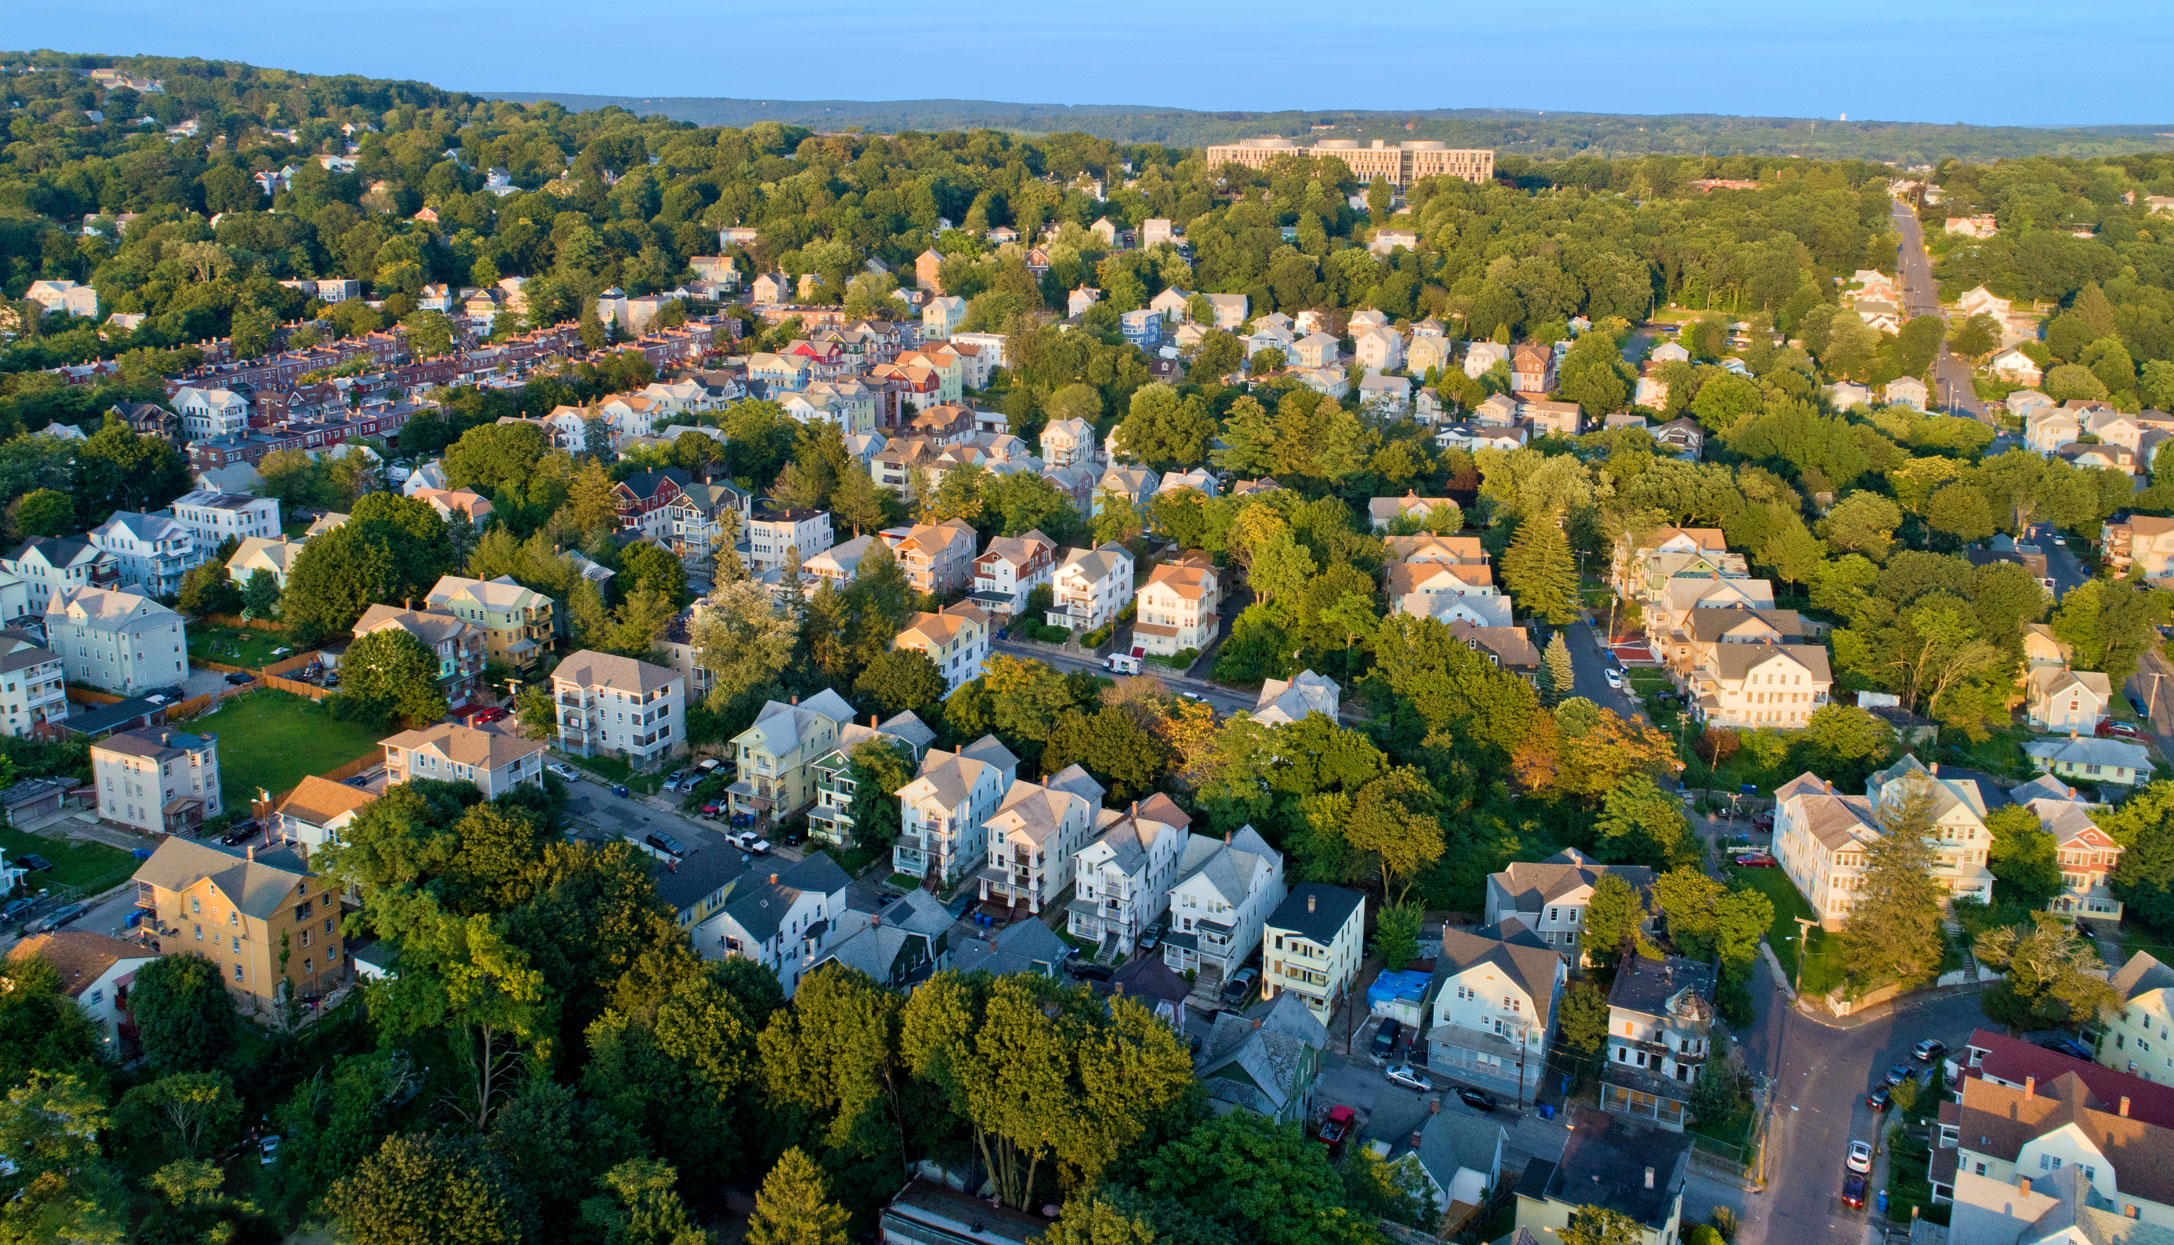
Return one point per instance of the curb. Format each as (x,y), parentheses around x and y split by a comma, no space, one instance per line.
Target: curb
(1881,1011)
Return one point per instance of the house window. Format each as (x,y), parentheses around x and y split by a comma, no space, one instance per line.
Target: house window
(237,972)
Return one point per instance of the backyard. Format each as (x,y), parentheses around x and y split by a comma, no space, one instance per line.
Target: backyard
(234,646)
(89,867)
(273,740)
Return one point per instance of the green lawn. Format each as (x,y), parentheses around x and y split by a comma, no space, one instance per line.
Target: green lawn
(234,646)
(89,867)
(1821,974)
(274,740)
(1909,1179)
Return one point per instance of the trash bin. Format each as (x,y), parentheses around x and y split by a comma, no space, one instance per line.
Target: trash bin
(1883,1201)
(1547,1110)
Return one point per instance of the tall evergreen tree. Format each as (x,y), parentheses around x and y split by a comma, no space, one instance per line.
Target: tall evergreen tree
(794,1207)
(1893,933)
(1540,573)
(1557,677)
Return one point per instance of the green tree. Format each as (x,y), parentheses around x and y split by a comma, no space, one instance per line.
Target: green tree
(794,1208)
(391,674)
(1893,930)
(742,640)
(900,680)
(45,512)
(2144,826)
(1584,1017)
(207,589)
(644,565)
(1261,1180)
(1557,677)
(1641,824)
(41,1028)
(260,595)
(644,1208)
(2024,859)
(1396,933)
(1613,918)
(426,1189)
(1539,572)
(2053,976)
(185,1019)
(190,1114)
(1598,1225)
(62,1189)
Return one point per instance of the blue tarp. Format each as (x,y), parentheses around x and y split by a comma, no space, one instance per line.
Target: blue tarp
(1396,991)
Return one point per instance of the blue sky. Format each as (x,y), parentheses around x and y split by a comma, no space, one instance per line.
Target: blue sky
(1977,61)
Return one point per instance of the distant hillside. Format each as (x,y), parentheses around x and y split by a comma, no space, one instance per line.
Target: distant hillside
(1545,134)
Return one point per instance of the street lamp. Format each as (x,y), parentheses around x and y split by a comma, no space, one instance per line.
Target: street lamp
(1804,946)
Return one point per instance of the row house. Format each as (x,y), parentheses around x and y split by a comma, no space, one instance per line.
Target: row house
(619,707)
(456,646)
(1177,608)
(1121,881)
(944,811)
(955,640)
(1660,1036)
(773,757)
(643,498)
(1549,897)
(1225,890)
(151,551)
(1033,836)
(1090,587)
(1493,1017)
(1820,835)
(1010,569)
(33,686)
(937,557)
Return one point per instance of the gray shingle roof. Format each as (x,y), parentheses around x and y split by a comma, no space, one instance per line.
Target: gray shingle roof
(1316,911)
(258,887)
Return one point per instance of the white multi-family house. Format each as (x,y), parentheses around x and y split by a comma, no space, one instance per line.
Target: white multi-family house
(1760,685)
(773,535)
(773,756)
(1311,946)
(33,686)
(1220,903)
(1549,897)
(944,811)
(1660,1035)
(117,641)
(1090,587)
(1285,701)
(152,551)
(1820,835)
(96,971)
(158,781)
(1067,441)
(1177,607)
(318,812)
(1033,836)
(2061,700)
(214,517)
(210,414)
(955,638)
(1121,881)
(1010,569)
(831,820)
(49,564)
(782,921)
(274,556)
(619,706)
(1494,1007)
(2136,1034)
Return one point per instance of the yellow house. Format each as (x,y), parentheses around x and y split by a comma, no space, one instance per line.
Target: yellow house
(258,914)
(2138,1037)
(516,622)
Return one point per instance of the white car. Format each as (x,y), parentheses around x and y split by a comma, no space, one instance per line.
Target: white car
(565,771)
(1860,1156)
(1409,1077)
(1614,677)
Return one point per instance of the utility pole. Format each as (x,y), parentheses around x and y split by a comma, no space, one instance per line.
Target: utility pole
(1804,945)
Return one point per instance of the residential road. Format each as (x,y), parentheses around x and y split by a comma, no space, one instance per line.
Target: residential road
(1951,379)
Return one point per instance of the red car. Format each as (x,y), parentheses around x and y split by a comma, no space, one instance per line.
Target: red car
(484,717)
(2119,730)
(1756,860)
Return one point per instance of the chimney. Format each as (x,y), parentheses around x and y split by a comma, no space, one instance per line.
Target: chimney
(773,879)
(1649,1177)
(796,698)
(2030,1086)
(1117,987)
(2124,1106)
(1256,1024)
(2025,1185)
(251,851)
(1415,1141)
(1309,903)
(872,719)
(1434,1106)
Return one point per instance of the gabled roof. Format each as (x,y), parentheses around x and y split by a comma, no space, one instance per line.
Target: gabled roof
(760,907)
(1509,948)
(1284,701)
(466,745)
(258,886)
(320,800)
(80,956)
(2140,976)
(588,668)
(1527,885)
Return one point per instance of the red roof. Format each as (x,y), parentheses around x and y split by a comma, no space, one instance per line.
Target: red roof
(2013,1060)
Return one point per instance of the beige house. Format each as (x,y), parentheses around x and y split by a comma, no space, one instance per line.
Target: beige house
(1177,608)
(937,557)
(516,622)
(944,811)
(617,706)
(2134,1038)
(1067,441)
(274,556)
(956,639)
(1760,685)
(1033,836)
(494,761)
(157,781)
(258,914)
(774,755)
(1820,835)
(2145,540)
(1550,896)
(1091,587)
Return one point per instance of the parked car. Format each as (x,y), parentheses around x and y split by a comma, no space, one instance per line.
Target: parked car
(1853,1191)
(1409,1077)
(2111,729)
(1336,1126)
(1860,1156)
(1239,986)
(1899,1073)
(1880,1099)
(66,914)
(268,1150)
(1386,1037)
(1477,1099)
(1614,677)
(1929,1050)
(712,809)
(15,910)
(673,783)
(565,771)
(2067,1046)
(665,843)
(239,677)
(1762,821)
(706,764)
(241,832)
(756,844)
(1149,937)
(484,717)
(1090,970)
(1757,860)
(34,862)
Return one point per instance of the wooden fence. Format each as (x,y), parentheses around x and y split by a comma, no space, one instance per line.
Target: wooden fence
(91,696)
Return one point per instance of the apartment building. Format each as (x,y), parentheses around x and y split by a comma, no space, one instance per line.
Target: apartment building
(2105,1131)
(495,762)
(937,557)
(258,914)
(1033,836)
(318,812)
(955,638)
(773,756)
(944,811)
(213,517)
(1090,587)
(116,641)
(157,781)
(1400,165)
(151,551)
(1494,1007)
(1220,903)
(2145,540)
(772,535)
(1549,897)
(1311,946)
(782,920)
(96,971)
(1748,686)
(457,645)
(2136,1036)
(1644,561)
(618,706)
(701,517)
(49,564)
(1660,1035)
(517,623)
(210,414)
(1121,880)
(1820,834)
(33,691)
(1067,441)
(1177,608)
(1010,569)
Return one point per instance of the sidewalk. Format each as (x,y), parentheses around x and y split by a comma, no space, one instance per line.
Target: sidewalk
(1881,1011)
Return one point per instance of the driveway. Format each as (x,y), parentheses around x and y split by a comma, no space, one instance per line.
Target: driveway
(592,806)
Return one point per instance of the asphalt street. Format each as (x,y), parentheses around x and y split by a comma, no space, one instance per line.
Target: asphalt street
(1951,379)
(2062,563)
(1221,699)
(1587,662)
